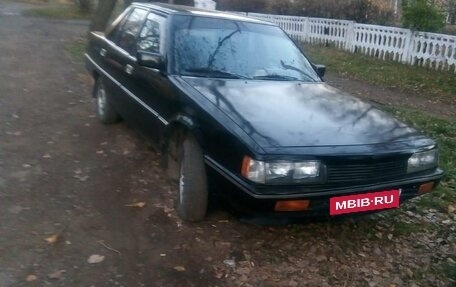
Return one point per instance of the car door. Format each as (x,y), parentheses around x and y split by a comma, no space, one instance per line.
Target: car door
(120,60)
(151,85)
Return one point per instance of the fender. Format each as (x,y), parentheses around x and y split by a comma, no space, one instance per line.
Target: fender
(186,122)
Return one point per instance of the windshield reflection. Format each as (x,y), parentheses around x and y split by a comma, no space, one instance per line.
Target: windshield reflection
(219,48)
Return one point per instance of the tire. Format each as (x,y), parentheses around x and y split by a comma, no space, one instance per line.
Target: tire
(105,111)
(191,179)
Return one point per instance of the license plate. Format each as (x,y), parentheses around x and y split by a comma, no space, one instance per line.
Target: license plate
(364,202)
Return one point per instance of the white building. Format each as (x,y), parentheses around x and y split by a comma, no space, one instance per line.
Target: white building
(205,4)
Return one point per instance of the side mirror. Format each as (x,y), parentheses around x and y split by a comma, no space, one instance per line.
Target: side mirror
(151,60)
(321,70)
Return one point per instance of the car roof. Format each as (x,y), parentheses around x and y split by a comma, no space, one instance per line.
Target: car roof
(189,10)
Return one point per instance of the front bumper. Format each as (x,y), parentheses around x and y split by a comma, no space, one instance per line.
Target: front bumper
(247,198)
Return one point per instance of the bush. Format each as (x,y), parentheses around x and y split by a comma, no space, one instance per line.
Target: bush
(258,6)
(361,11)
(422,16)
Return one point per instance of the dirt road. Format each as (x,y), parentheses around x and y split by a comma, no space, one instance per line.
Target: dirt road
(62,173)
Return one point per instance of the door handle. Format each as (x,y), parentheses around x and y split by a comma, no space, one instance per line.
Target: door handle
(129,69)
(103,52)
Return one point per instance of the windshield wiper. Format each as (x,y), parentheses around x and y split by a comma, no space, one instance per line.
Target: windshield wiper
(276,77)
(290,67)
(213,73)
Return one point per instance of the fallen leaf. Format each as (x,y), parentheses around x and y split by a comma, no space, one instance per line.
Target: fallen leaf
(179,268)
(81,177)
(138,204)
(47,156)
(451,208)
(218,274)
(230,263)
(31,278)
(321,258)
(243,271)
(95,258)
(167,209)
(56,274)
(409,272)
(53,238)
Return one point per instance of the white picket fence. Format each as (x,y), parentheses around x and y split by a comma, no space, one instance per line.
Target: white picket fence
(437,51)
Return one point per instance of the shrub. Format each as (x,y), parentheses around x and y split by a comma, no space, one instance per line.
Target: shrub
(361,11)
(421,15)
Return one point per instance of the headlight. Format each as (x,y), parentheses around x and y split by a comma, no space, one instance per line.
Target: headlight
(422,161)
(280,171)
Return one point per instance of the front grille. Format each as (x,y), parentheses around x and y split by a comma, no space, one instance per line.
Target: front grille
(366,172)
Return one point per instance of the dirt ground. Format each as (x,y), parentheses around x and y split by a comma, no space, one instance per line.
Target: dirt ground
(67,178)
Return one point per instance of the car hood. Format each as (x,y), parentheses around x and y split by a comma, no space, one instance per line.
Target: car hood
(295,114)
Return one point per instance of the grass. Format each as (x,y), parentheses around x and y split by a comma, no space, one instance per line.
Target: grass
(418,81)
(58,12)
(450,29)
(76,49)
(33,1)
(449,270)
(402,228)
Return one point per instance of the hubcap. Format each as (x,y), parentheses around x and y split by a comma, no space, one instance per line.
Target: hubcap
(101,100)
(181,183)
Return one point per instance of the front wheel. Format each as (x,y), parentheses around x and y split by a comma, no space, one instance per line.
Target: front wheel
(105,111)
(192,197)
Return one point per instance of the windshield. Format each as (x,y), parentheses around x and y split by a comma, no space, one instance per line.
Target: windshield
(209,47)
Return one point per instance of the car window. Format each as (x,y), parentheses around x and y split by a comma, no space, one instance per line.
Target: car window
(113,31)
(150,37)
(127,35)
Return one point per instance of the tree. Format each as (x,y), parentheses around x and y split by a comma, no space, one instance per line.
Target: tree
(85,6)
(452,11)
(362,11)
(102,15)
(422,15)
(242,5)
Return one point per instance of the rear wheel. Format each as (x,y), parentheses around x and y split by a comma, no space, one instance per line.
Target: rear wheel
(105,111)
(186,168)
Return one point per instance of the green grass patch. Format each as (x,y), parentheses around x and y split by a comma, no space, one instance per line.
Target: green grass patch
(76,50)
(422,82)
(449,270)
(402,228)
(58,12)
